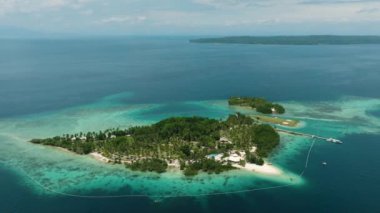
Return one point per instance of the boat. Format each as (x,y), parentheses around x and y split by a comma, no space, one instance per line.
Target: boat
(324,163)
(332,140)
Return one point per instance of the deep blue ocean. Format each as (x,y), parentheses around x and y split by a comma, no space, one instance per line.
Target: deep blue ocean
(45,75)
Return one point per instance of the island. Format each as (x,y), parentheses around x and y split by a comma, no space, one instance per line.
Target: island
(189,144)
(292,40)
(263,106)
(259,104)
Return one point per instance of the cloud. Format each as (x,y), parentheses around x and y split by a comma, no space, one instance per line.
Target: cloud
(54,3)
(185,15)
(336,1)
(87,12)
(123,19)
(235,3)
(369,10)
(30,6)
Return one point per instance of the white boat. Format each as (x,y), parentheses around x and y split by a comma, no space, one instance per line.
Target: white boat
(332,140)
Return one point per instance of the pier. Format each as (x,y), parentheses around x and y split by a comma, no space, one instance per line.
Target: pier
(331,140)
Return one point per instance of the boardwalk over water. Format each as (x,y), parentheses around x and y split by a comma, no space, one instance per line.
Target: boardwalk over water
(332,140)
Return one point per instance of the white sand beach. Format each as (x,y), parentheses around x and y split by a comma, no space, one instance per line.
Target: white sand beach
(264,169)
(99,157)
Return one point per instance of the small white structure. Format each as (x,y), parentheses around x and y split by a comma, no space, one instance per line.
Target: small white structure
(113,136)
(242,154)
(73,138)
(224,140)
(273,110)
(235,158)
(218,157)
(83,138)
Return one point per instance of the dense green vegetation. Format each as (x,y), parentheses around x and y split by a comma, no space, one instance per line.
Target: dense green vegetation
(206,165)
(151,165)
(188,129)
(184,140)
(260,104)
(293,40)
(265,138)
(253,158)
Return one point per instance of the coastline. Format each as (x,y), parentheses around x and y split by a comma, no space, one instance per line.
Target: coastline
(273,118)
(265,169)
(99,157)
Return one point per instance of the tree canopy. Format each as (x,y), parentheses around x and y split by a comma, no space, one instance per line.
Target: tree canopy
(261,105)
(186,139)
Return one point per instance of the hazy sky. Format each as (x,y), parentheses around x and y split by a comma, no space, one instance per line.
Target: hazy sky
(193,17)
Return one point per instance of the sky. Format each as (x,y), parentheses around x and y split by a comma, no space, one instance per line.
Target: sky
(190,17)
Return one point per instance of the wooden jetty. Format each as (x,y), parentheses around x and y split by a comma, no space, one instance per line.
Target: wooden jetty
(331,140)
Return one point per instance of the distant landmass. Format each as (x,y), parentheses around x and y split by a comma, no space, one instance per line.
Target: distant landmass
(292,40)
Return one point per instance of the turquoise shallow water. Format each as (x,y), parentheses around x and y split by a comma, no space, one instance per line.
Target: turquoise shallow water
(50,171)
(69,173)
(53,87)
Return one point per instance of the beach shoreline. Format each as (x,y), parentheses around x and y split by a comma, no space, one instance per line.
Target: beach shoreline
(265,169)
(99,157)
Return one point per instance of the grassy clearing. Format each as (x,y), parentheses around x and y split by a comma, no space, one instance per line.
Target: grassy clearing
(277,120)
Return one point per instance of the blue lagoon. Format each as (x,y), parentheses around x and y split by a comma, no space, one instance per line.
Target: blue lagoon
(69,86)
